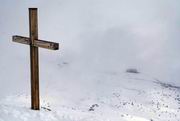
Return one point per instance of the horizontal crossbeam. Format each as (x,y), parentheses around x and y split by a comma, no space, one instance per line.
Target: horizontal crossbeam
(37,43)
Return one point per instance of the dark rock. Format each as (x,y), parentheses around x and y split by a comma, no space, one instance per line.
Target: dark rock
(92,108)
(132,70)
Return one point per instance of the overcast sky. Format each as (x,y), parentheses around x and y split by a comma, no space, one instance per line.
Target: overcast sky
(103,35)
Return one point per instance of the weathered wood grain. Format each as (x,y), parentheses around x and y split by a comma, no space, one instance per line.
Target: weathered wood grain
(37,43)
(34,59)
(20,39)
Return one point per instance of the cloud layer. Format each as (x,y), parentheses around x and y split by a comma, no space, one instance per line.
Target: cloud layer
(98,35)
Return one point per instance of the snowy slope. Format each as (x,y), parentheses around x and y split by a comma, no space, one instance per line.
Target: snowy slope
(110,96)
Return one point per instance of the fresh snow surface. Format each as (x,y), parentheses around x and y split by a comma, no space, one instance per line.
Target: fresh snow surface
(110,96)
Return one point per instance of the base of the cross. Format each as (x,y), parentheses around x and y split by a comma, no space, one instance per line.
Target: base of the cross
(35,108)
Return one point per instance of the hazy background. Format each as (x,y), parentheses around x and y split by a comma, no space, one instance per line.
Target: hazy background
(94,35)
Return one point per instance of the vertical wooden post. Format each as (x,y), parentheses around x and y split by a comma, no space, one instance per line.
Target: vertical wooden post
(33,25)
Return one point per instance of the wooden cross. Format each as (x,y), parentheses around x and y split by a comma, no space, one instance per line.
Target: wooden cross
(34,43)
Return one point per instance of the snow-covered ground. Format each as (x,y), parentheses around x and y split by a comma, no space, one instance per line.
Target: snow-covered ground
(108,96)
